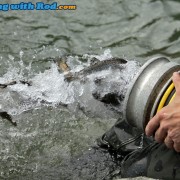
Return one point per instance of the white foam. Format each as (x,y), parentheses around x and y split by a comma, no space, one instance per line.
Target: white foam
(49,88)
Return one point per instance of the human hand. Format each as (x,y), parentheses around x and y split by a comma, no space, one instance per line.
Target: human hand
(165,125)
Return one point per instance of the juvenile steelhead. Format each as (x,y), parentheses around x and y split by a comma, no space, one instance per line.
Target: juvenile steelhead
(114,63)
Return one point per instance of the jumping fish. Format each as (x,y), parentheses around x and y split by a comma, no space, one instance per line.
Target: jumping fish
(96,66)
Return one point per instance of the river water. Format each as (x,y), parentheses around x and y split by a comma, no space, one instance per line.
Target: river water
(48,135)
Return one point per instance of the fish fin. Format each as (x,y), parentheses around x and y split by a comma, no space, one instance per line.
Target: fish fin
(121,60)
(29,83)
(64,67)
(62,64)
(7,84)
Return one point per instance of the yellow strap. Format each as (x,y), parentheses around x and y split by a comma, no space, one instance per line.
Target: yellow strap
(172,98)
(165,96)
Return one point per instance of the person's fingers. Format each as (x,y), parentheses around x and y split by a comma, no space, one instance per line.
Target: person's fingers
(176,81)
(152,125)
(169,142)
(161,134)
(174,134)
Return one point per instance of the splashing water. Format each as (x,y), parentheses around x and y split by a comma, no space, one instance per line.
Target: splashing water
(48,135)
(50,89)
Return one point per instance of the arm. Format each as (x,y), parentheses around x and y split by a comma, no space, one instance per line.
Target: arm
(165,125)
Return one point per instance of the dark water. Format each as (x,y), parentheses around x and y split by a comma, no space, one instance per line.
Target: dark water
(47,137)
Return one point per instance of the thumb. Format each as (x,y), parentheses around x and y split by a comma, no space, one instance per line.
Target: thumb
(176,81)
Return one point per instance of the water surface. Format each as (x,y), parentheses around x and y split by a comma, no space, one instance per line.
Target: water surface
(47,137)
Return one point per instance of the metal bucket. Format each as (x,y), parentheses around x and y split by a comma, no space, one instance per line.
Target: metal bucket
(147,90)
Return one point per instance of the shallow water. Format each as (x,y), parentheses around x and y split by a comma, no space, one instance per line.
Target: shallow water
(48,136)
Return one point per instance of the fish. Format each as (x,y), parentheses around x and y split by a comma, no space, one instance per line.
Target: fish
(5,85)
(113,63)
(113,98)
(5,115)
(2,86)
(98,66)
(95,66)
